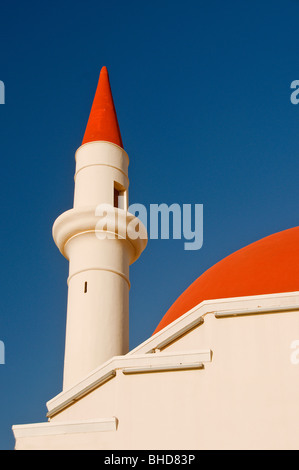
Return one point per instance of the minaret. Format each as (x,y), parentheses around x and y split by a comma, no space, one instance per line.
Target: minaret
(94,237)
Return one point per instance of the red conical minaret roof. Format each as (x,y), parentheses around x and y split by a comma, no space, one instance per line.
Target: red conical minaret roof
(102,123)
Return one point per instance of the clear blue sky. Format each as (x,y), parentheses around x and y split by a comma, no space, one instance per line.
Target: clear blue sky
(202,91)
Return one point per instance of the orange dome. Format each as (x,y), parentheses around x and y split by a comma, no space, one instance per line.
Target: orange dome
(268,266)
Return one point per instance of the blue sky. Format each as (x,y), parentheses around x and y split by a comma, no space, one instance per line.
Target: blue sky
(202,92)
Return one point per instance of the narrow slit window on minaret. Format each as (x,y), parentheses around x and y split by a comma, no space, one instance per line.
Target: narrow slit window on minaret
(116,197)
(85,287)
(119,196)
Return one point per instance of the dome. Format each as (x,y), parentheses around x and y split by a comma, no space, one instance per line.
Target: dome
(268,266)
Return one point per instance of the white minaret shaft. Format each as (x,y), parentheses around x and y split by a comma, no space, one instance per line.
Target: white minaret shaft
(93,236)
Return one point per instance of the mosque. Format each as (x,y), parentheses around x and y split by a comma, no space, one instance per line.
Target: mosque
(221,370)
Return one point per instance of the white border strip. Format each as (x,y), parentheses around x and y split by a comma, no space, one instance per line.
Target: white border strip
(47,429)
(174,367)
(257,311)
